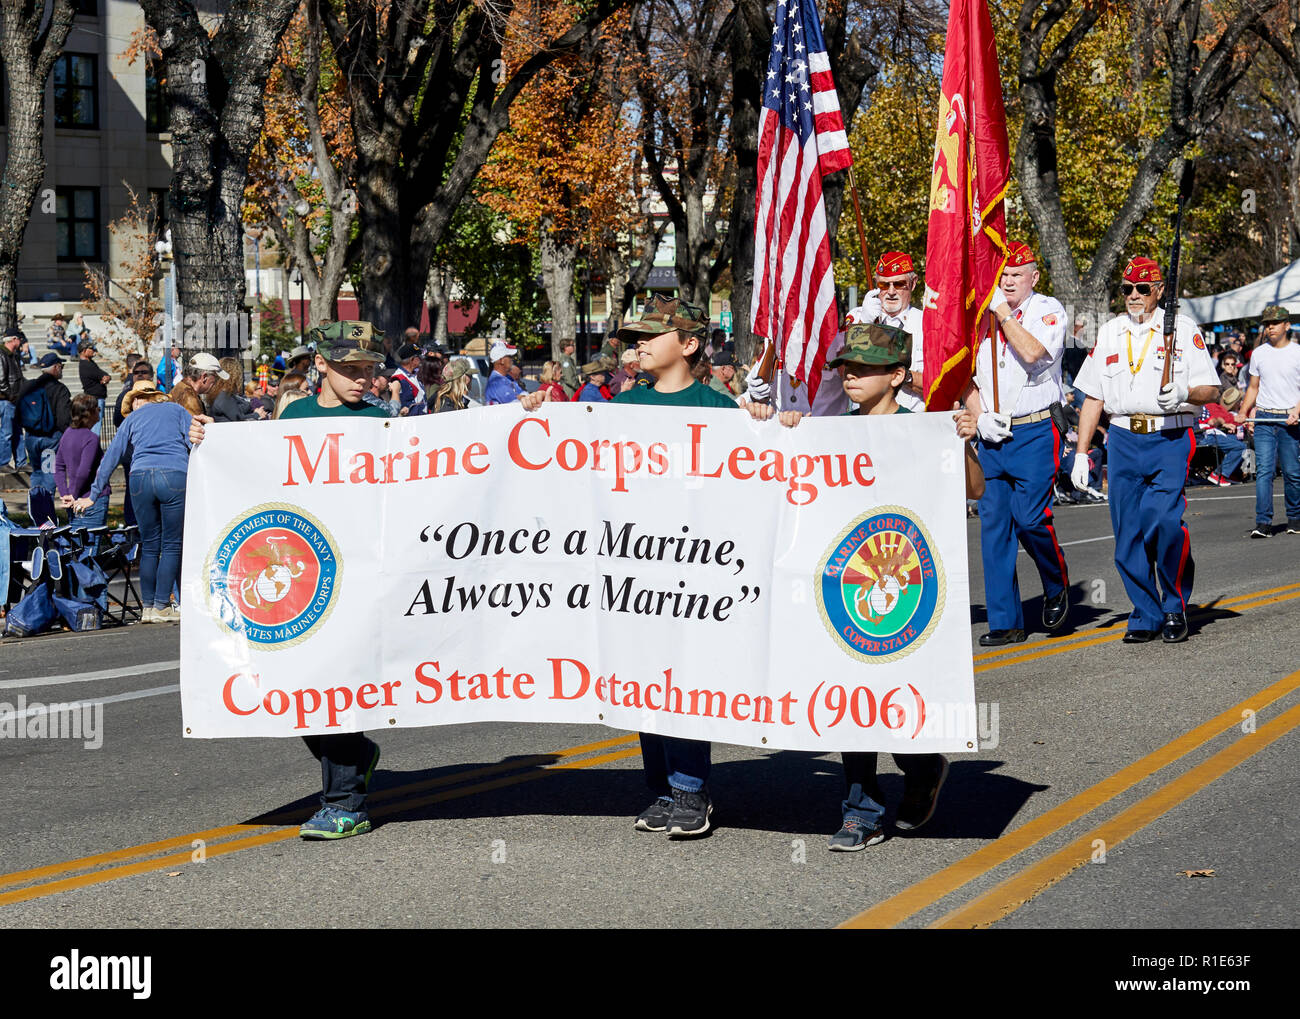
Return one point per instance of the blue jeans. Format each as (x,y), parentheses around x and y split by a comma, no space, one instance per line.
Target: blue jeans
(673,763)
(39,450)
(863,798)
(11,433)
(96,516)
(158,495)
(1231,448)
(1276,444)
(344,760)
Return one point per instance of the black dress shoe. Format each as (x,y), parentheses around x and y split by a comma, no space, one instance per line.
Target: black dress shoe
(1175,629)
(1140,636)
(996,638)
(1055,610)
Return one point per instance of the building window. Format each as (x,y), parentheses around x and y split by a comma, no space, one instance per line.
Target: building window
(76,213)
(76,91)
(158,218)
(157,113)
(86,8)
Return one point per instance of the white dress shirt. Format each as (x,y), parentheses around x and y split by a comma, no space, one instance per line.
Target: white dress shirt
(1025,388)
(1125,367)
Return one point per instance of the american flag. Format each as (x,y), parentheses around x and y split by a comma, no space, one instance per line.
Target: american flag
(800,139)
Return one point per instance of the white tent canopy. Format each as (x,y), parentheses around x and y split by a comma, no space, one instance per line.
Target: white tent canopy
(1281,287)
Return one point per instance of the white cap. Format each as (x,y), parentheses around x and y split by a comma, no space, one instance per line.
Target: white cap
(499,350)
(208,363)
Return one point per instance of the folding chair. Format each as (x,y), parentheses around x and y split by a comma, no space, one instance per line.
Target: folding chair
(116,552)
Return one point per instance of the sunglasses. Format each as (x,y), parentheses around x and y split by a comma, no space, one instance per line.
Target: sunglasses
(1142,288)
(895,285)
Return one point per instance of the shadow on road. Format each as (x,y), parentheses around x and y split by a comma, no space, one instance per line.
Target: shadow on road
(787,791)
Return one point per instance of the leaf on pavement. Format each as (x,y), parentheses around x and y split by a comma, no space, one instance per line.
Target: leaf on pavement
(1197,873)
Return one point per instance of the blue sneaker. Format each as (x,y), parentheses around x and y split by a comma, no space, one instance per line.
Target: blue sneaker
(334,823)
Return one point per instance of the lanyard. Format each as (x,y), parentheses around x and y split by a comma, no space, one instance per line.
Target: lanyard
(1128,337)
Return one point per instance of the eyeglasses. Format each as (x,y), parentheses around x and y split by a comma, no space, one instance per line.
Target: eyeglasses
(895,285)
(1142,288)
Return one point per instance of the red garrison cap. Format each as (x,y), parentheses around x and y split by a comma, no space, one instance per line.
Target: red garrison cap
(1142,270)
(1018,254)
(894,263)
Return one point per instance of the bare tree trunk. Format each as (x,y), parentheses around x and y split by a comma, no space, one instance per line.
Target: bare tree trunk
(439,305)
(215,86)
(751,39)
(559,256)
(27,53)
(422,138)
(1198,88)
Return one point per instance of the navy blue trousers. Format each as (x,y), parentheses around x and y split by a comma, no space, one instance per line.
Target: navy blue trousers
(1019,476)
(1152,543)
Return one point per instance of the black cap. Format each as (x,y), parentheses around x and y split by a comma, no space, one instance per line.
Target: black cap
(723,359)
(407,350)
(49,360)
(87,345)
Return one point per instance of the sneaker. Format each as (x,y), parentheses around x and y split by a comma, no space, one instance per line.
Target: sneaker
(1215,479)
(655,817)
(920,798)
(171,614)
(334,823)
(149,615)
(690,814)
(855,834)
(1293,527)
(1261,532)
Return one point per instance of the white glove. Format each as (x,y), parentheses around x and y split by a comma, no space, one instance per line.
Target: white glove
(999,299)
(756,390)
(869,311)
(1079,471)
(993,427)
(1172,396)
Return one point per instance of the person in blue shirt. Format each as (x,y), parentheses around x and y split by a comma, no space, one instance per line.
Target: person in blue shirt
(501,387)
(597,372)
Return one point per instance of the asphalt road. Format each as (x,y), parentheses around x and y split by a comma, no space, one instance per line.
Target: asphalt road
(1112,770)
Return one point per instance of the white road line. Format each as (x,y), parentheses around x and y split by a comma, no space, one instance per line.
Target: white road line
(134,695)
(87,677)
(1084,541)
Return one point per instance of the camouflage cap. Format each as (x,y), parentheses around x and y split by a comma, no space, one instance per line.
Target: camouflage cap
(665,316)
(871,343)
(601,364)
(1274,313)
(344,342)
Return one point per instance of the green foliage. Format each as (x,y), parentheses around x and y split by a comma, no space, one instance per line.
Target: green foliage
(276,334)
(488,267)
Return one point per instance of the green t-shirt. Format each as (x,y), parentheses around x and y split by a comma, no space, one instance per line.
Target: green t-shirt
(856,411)
(311,408)
(694,395)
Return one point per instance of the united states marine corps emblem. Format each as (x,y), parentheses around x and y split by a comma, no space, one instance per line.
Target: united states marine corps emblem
(881,587)
(273,576)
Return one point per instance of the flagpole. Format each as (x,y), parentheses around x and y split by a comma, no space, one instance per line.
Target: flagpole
(862,235)
(993,356)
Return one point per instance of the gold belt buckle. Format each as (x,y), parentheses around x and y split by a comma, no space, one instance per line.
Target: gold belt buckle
(1141,424)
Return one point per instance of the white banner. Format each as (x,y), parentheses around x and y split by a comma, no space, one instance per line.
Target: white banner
(690,572)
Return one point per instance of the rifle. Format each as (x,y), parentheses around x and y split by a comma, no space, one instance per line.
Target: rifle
(1171,286)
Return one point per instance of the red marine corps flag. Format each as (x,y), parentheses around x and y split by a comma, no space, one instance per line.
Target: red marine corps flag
(967,244)
(800,139)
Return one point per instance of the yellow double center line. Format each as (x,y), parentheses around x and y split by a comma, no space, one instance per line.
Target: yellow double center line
(399,800)
(49,880)
(1012,893)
